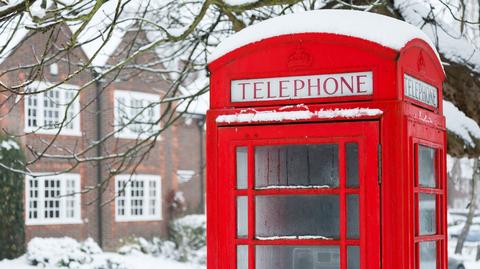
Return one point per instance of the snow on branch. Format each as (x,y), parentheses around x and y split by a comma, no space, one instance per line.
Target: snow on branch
(461,125)
(453,44)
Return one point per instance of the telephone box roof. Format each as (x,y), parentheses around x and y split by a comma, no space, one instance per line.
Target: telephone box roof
(380,29)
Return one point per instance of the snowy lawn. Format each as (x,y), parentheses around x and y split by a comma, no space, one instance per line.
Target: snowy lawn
(132,261)
(468,254)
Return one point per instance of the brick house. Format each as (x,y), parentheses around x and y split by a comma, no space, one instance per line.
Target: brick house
(126,204)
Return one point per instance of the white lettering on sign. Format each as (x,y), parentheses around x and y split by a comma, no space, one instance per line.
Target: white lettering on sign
(420,91)
(316,86)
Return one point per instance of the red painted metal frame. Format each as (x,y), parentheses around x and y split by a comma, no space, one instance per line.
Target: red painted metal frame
(365,133)
(425,136)
(404,123)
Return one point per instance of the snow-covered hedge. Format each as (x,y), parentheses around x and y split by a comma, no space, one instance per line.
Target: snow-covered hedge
(187,242)
(11,199)
(189,235)
(61,252)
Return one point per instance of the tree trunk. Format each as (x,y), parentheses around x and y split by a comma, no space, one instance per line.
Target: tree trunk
(471,210)
(477,258)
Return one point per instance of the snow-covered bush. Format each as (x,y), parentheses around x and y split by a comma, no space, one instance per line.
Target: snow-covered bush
(187,242)
(189,235)
(11,199)
(111,263)
(61,252)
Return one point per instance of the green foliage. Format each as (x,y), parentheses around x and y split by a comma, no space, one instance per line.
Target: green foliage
(12,237)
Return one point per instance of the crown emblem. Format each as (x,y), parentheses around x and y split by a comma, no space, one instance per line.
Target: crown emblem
(299,59)
(421,63)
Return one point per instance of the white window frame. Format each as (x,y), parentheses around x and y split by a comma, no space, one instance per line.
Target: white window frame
(125,188)
(74,109)
(41,220)
(126,132)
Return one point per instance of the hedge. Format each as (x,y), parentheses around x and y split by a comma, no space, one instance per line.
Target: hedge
(12,236)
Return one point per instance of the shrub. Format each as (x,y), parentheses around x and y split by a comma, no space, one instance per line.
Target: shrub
(189,235)
(65,253)
(12,235)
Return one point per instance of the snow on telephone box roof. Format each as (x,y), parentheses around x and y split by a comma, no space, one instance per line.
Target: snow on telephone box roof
(380,29)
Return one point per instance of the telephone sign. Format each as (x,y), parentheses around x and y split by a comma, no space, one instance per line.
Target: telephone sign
(299,87)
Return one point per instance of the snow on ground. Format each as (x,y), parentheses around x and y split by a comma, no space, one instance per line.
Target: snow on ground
(67,253)
(468,254)
(377,28)
(185,249)
(131,261)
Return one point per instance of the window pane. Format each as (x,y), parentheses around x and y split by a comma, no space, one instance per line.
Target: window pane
(242,216)
(242,257)
(51,104)
(51,195)
(428,255)
(33,198)
(352,164)
(70,202)
(427,212)
(353,257)
(242,168)
(426,167)
(292,215)
(152,197)
(353,217)
(296,165)
(121,191)
(136,198)
(297,257)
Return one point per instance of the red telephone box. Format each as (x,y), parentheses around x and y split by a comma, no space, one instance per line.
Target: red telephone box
(326,148)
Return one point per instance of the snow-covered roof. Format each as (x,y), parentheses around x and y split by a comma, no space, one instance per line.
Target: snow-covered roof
(12,34)
(380,29)
(200,103)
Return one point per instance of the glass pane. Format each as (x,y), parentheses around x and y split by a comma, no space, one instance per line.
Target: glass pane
(242,168)
(352,164)
(353,217)
(242,216)
(297,257)
(427,210)
(353,257)
(242,257)
(428,255)
(296,166)
(426,167)
(311,216)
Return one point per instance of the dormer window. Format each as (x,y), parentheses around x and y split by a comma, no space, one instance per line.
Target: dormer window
(47,111)
(137,114)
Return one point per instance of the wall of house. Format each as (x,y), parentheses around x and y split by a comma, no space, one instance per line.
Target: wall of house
(176,148)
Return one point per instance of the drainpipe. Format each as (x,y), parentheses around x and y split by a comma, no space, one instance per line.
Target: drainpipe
(98,115)
(201,206)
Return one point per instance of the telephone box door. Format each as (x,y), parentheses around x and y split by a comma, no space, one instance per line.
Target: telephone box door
(299,196)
